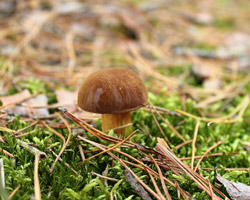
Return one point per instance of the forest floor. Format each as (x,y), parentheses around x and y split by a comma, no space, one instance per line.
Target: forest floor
(190,140)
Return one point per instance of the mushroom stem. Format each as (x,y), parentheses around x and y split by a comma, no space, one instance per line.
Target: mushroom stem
(112,121)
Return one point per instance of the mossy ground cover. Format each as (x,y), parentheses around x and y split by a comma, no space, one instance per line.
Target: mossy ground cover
(64,184)
(51,54)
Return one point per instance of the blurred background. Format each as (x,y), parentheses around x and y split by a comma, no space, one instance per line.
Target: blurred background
(173,44)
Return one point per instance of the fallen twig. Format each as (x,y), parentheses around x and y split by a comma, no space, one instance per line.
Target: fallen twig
(161,178)
(228,169)
(6,153)
(193,143)
(39,155)
(169,125)
(64,145)
(183,144)
(36,179)
(136,186)
(32,150)
(212,147)
(104,177)
(2,175)
(14,191)
(240,109)
(208,156)
(123,164)
(66,164)
(158,125)
(113,147)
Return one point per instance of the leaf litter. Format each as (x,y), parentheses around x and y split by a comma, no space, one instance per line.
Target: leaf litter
(238,191)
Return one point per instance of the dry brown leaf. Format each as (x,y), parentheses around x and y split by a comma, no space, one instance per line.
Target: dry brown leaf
(15,98)
(212,83)
(66,99)
(237,191)
(40,100)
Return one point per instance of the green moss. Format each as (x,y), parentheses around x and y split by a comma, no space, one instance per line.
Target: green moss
(64,184)
(224,24)
(173,70)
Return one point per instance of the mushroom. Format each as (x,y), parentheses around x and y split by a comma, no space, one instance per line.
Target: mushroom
(113,92)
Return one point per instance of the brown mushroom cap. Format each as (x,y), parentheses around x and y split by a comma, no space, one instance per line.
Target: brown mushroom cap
(112,90)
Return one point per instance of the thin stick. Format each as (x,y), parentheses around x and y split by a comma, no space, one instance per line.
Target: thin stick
(2,175)
(227,169)
(81,152)
(161,178)
(54,131)
(69,40)
(164,110)
(123,164)
(90,131)
(225,119)
(64,145)
(24,134)
(211,190)
(121,127)
(38,155)
(36,179)
(6,129)
(180,191)
(215,98)
(193,143)
(104,177)
(212,147)
(156,186)
(23,129)
(32,150)
(202,183)
(144,167)
(158,125)
(246,143)
(170,126)
(14,191)
(1,139)
(183,144)
(113,147)
(169,155)
(66,164)
(6,153)
(207,156)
